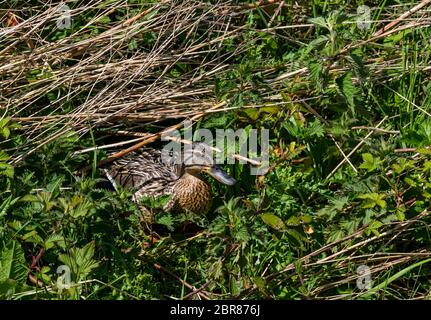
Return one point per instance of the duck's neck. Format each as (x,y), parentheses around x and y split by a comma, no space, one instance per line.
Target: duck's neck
(194,177)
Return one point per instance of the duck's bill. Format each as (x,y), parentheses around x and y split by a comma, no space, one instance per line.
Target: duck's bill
(217,173)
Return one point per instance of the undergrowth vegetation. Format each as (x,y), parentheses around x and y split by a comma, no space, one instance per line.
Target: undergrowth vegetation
(343,211)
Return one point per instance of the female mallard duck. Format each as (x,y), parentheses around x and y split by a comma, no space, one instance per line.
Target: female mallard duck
(152,172)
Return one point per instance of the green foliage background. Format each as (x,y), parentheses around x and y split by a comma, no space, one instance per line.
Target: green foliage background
(300,231)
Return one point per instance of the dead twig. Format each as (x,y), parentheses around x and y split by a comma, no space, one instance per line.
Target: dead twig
(184,283)
(401,18)
(355,148)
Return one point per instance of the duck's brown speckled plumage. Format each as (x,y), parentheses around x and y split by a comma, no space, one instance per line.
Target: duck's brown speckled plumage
(146,174)
(191,193)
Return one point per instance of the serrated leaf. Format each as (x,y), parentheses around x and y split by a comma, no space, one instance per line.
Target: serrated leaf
(316,73)
(335,235)
(80,260)
(346,88)
(374,227)
(369,162)
(5,132)
(45,269)
(104,20)
(410,181)
(358,64)
(54,239)
(12,263)
(427,166)
(373,199)
(167,221)
(242,234)
(318,21)
(315,129)
(339,202)
(7,203)
(6,169)
(4,156)
(33,237)
(15,225)
(424,151)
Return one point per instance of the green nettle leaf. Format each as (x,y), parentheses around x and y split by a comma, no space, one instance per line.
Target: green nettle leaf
(339,202)
(15,225)
(4,128)
(269,108)
(133,45)
(410,182)
(317,43)
(424,151)
(328,212)
(33,237)
(374,228)
(349,225)
(316,73)
(373,199)
(273,221)
(314,129)
(7,203)
(397,168)
(242,234)
(167,221)
(44,197)
(370,163)
(104,20)
(54,239)
(346,88)
(80,260)
(335,235)
(319,21)
(402,165)
(427,166)
(400,213)
(78,206)
(4,156)
(12,263)
(6,170)
(356,60)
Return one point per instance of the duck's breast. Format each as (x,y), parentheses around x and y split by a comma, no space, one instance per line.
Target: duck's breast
(192,194)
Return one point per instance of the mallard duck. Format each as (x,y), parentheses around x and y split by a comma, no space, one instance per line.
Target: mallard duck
(154,172)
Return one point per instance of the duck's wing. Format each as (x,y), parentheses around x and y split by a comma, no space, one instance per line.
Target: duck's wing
(144,173)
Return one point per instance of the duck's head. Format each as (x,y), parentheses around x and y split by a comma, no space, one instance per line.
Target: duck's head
(198,158)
